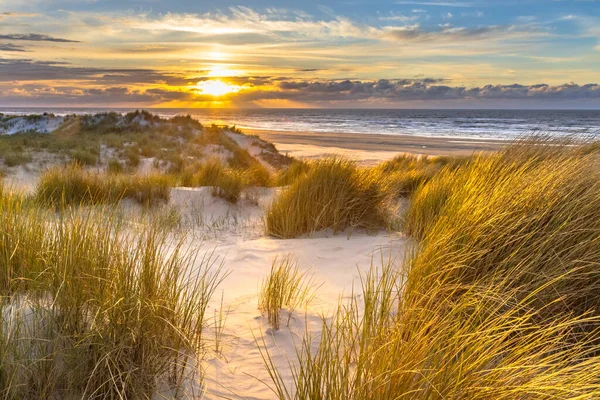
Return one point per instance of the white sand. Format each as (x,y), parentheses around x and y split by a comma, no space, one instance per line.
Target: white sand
(236,235)
(363,157)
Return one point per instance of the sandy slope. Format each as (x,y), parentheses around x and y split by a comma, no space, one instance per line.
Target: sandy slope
(235,235)
(20,124)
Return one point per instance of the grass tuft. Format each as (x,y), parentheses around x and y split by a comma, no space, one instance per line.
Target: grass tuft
(284,288)
(73,185)
(333,194)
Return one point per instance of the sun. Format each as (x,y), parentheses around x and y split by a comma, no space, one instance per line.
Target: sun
(217,88)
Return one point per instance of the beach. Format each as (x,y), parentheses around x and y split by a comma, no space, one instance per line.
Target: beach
(372,148)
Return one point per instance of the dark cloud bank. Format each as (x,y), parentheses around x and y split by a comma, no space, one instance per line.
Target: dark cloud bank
(116,85)
(35,37)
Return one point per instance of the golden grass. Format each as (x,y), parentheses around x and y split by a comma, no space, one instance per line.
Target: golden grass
(73,185)
(402,175)
(520,218)
(286,287)
(293,172)
(334,194)
(226,182)
(91,310)
(257,175)
(497,300)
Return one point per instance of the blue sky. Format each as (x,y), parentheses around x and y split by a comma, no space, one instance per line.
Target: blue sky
(524,54)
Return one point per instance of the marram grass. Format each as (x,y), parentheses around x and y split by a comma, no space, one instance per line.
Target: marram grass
(498,298)
(94,310)
(226,182)
(333,194)
(74,185)
(286,287)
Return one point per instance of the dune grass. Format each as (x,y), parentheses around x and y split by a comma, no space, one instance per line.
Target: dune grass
(333,194)
(291,173)
(402,175)
(497,300)
(523,218)
(257,175)
(286,287)
(93,310)
(226,182)
(74,185)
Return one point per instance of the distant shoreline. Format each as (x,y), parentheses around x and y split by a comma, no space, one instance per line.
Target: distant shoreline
(378,143)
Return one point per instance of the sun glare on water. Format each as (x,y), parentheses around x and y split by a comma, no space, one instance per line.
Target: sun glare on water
(216,88)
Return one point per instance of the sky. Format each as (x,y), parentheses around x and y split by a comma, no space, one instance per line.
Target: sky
(329,54)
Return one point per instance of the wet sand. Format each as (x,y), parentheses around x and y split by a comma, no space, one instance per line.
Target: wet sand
(377,146)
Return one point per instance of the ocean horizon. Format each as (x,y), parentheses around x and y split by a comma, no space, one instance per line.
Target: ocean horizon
(478,124)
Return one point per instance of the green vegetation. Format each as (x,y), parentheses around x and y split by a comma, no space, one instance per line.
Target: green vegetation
(497,300)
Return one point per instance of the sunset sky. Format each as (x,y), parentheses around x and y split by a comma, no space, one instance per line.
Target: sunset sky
(354,53)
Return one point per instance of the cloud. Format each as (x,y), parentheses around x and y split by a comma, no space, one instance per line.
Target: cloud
(399,17)
(386,92)
(12,47)
(28,70)
(474,14)
(437,3)
(447,33)
(16,14)
(241,21)
(35,37)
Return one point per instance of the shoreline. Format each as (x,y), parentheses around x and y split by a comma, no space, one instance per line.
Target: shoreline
(373,147)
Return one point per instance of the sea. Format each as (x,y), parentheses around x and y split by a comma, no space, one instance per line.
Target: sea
(488,124)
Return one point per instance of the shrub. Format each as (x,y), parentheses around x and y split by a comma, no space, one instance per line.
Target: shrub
(333,194)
